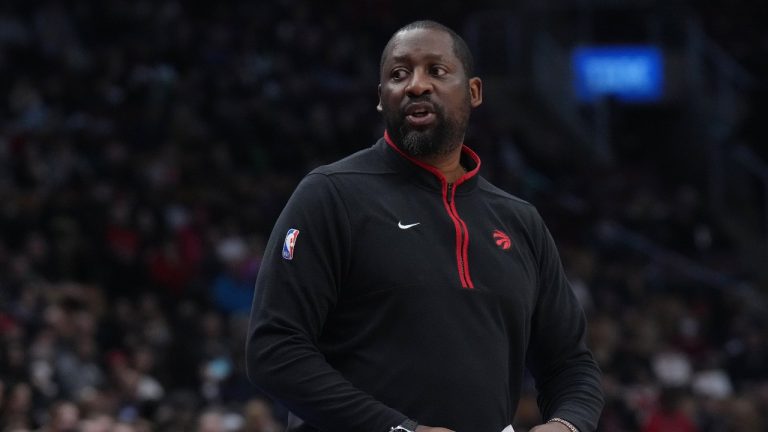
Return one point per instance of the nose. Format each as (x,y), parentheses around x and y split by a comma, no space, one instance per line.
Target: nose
(419,84)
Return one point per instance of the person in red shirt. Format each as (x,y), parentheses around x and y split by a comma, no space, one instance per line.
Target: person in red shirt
(669,416)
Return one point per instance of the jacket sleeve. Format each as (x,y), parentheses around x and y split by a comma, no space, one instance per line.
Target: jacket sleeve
(292,300)
(567,377)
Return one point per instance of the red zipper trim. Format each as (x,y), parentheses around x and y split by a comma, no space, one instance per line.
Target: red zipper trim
(461,261)
(462,232)
(464,249)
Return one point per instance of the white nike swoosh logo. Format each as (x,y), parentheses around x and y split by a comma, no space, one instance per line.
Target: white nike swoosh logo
(401,226)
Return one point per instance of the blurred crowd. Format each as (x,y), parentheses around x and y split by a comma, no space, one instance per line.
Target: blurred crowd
(146,149)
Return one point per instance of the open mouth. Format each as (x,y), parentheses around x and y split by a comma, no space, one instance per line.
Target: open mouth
(420,114)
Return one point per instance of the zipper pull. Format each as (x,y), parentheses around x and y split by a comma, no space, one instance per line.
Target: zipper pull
(449,192)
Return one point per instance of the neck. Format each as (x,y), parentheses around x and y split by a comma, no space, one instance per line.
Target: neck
(448,164)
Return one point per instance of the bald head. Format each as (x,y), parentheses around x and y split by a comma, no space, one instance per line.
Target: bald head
(460,49)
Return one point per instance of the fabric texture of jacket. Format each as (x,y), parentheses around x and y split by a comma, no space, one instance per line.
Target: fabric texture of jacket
(387,293)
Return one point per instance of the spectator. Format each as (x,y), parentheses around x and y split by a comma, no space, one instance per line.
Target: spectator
(669,415)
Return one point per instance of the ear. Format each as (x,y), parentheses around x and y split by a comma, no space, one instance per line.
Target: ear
(378,107)
(475,92)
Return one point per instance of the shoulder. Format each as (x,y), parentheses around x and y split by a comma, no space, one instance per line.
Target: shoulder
(366,161)
(507,200)
(337,181)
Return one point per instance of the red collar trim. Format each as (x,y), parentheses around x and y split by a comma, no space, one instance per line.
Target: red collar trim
(464,149)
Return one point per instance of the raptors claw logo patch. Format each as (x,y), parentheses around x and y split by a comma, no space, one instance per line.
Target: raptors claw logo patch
(290,243)
(502,239)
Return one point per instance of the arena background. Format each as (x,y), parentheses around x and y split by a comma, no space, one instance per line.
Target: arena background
(146,147)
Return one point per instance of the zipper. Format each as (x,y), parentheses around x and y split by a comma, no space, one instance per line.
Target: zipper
(462,237)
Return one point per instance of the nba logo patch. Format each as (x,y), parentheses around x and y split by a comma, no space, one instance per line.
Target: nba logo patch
(290,242)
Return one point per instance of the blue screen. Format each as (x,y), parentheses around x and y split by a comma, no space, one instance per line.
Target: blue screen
(628,73)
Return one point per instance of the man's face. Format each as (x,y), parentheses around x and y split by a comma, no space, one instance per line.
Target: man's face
(424,94)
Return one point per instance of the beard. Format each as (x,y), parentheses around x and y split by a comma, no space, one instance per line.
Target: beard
(443,137)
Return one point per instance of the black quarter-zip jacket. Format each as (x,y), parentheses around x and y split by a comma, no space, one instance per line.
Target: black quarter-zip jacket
(399,295)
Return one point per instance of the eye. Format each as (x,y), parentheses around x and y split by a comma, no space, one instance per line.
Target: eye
(398,74)
(438,70)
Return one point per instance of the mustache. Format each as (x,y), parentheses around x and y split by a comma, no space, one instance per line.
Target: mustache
(426,97)
(423,99)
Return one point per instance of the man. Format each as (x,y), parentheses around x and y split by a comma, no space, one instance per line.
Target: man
(400,289)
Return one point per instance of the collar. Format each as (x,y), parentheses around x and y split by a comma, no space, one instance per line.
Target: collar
(428,175)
